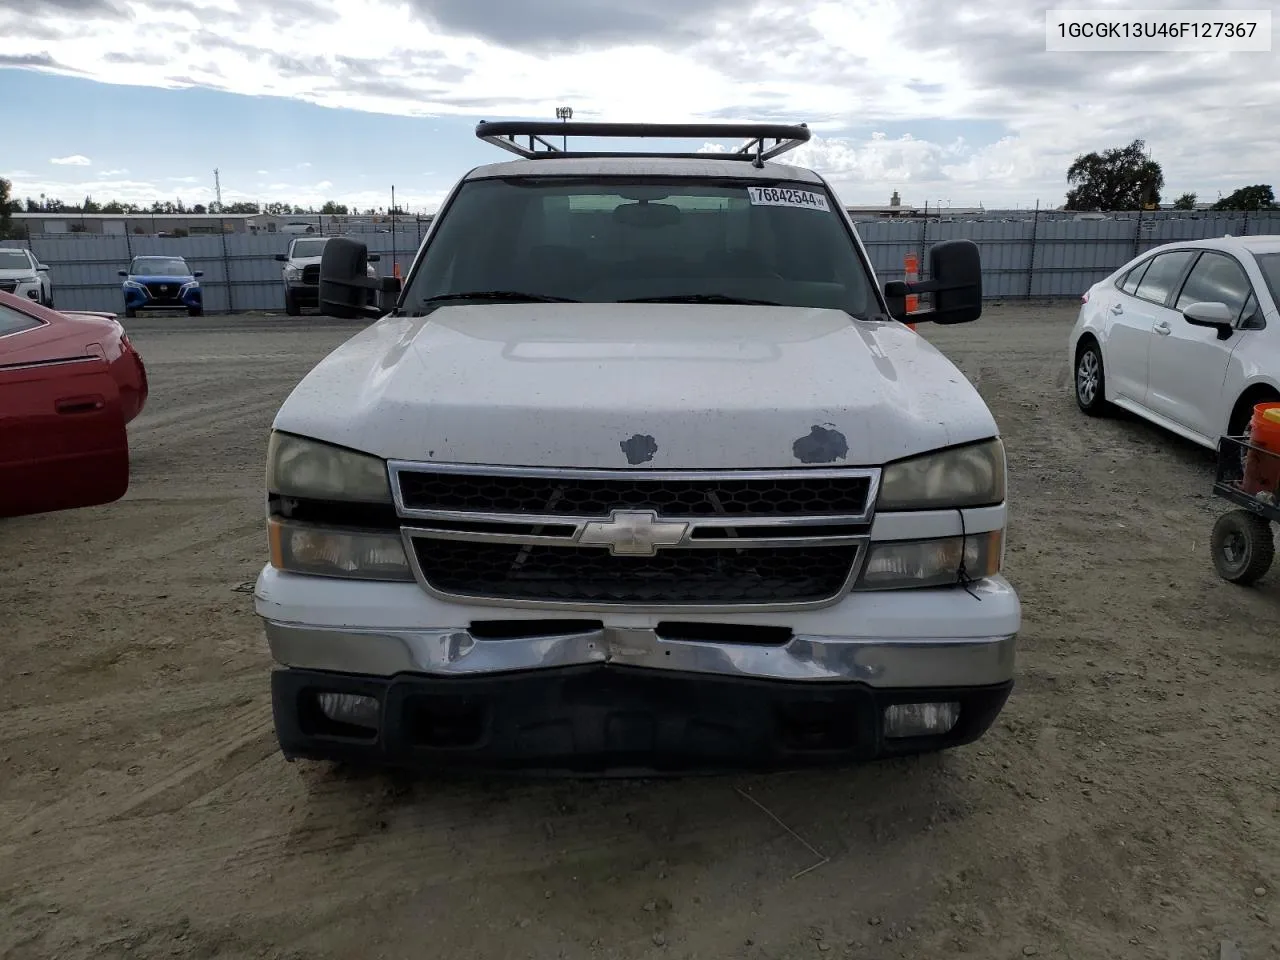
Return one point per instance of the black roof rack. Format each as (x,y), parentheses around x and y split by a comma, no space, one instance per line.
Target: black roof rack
(503,133)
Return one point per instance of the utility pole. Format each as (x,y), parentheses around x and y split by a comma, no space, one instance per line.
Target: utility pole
(217,188)
(395,272)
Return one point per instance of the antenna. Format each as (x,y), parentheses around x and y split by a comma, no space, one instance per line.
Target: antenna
(217,188)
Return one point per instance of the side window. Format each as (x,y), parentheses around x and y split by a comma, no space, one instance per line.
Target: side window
(1215,278)
(1129,282)
(14,321)
(1162,275)
(1249,309)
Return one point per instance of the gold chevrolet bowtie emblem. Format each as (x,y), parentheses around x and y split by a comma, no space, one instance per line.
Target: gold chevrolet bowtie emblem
(633,533)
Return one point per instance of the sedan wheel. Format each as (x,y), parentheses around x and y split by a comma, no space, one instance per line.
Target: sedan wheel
(1090,380)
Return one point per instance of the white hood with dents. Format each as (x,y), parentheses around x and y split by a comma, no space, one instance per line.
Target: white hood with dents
(650,385)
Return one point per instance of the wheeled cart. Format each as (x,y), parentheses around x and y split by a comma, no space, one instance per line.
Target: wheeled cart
(1248,475)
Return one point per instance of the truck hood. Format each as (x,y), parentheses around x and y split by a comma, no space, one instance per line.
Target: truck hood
(658,386)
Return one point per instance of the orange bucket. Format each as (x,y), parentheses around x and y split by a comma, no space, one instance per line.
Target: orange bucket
(1262,472)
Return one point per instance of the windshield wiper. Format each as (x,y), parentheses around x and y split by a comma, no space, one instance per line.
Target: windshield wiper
(703,298)
(514,296)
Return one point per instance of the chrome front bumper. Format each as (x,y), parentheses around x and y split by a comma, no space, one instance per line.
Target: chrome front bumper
(884,662)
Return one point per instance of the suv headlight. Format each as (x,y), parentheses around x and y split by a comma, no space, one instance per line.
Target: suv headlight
(898,564)
(302,469)
(968,476)
(335,552)
(309,469)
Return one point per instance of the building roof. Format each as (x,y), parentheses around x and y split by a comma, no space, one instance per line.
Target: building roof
(77,215)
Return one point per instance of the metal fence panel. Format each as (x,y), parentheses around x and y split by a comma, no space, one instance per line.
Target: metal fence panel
(1024,254)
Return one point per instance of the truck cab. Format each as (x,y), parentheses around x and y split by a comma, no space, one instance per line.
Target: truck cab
(644,472)
(300,274)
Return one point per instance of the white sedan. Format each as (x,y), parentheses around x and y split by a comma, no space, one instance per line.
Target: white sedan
(1187,336)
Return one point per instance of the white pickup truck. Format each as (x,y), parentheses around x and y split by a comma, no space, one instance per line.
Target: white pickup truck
(642,474)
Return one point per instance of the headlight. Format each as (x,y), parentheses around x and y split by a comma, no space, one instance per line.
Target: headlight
(333,552)
(31,279)
(969,476)
(896,564)
(190,285)
(134,284)
(292,272)
(297,467)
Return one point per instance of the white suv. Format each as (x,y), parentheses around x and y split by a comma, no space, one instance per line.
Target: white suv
(640,474)
(1187,336)
(24,276)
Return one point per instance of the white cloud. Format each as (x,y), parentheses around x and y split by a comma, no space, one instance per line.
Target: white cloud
(843,65)
(75,160)
(112,173)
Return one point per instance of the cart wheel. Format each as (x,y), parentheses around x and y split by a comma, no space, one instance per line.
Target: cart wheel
(1242,546)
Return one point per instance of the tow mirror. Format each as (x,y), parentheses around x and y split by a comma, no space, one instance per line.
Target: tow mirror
(346,289)
(955,271)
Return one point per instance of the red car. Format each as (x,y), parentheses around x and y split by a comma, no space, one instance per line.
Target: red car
(69,383)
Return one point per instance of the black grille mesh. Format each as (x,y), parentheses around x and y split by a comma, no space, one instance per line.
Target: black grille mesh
(782,496)
(672,577)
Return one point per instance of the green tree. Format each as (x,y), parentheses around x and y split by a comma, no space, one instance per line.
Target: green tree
(242,207)
(1122,178)
(199,208)
(1185,202)
(1257,197)
(332,208)
(6,207)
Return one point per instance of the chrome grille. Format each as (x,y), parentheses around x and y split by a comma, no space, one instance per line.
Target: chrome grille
(654,539)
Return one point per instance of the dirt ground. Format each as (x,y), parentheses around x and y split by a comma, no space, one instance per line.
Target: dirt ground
(1125,805)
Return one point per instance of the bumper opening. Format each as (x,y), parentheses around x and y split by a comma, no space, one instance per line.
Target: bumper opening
(528,629)
(608,719)
(753,633)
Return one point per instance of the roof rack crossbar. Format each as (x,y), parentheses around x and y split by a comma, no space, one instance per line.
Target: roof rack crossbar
(503,134)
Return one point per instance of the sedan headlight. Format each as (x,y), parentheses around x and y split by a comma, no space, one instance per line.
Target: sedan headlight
(334,552)
(896,564)
(298,467)
(968,476)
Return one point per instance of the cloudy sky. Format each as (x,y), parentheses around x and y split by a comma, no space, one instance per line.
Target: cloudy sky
(310,100)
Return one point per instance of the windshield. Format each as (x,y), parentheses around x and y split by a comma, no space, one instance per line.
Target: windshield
(308,248)
(14,260)
(607,240)
(1269,264)
(159,267)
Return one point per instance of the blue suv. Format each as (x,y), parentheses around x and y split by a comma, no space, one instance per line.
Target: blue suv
(162,283)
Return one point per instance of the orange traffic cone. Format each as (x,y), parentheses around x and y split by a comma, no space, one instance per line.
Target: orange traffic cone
(911,265)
